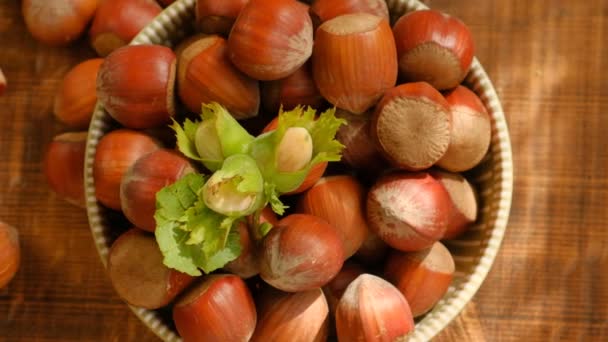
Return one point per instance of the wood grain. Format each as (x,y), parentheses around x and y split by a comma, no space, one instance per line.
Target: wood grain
(548,62)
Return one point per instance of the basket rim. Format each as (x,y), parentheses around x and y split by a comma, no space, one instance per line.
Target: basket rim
(167,24)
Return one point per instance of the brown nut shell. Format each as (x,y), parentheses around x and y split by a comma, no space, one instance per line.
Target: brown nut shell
(411,126)
(324,10)
(64,166)
(463,199)
(471,131)
(10,253)
(205,74)
(301,253)
(218,309)
(339,200)
(423,277)
(148,175)
(373,250)
(359,151)
(409,211)
(336,287)
(354,61)
(137,272)
(294,317)
(246,265)
(117,22)
(433,47)
(373,310)
(136,83)
(217,17)
(76,97)
(297,89)
(271,39)
(116,152)
(57,23)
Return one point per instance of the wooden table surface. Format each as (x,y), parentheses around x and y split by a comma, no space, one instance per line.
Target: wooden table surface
(548,61)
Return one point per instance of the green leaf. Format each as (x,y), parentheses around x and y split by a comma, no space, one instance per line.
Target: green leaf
(297,117)
(177,254)
(185,138)
(196,223)
(323,132)
(264,228)
(191,235)
(231,251)
(272,196)
(172,203)
(216,245)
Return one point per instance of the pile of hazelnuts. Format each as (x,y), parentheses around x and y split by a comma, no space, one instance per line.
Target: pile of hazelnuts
(359,253)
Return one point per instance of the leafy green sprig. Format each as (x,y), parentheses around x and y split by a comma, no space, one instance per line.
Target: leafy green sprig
(197,216)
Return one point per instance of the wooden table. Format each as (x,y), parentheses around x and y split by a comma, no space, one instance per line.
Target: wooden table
(548,61)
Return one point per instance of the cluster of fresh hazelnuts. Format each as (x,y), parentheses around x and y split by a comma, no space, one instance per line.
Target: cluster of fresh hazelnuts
(412,127)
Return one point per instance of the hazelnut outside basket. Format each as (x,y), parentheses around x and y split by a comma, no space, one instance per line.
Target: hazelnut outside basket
(473,253)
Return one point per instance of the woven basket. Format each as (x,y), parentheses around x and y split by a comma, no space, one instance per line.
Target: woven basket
(473,253)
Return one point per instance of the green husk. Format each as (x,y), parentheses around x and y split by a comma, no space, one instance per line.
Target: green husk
(237,189)
(227,137)
(325,147)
